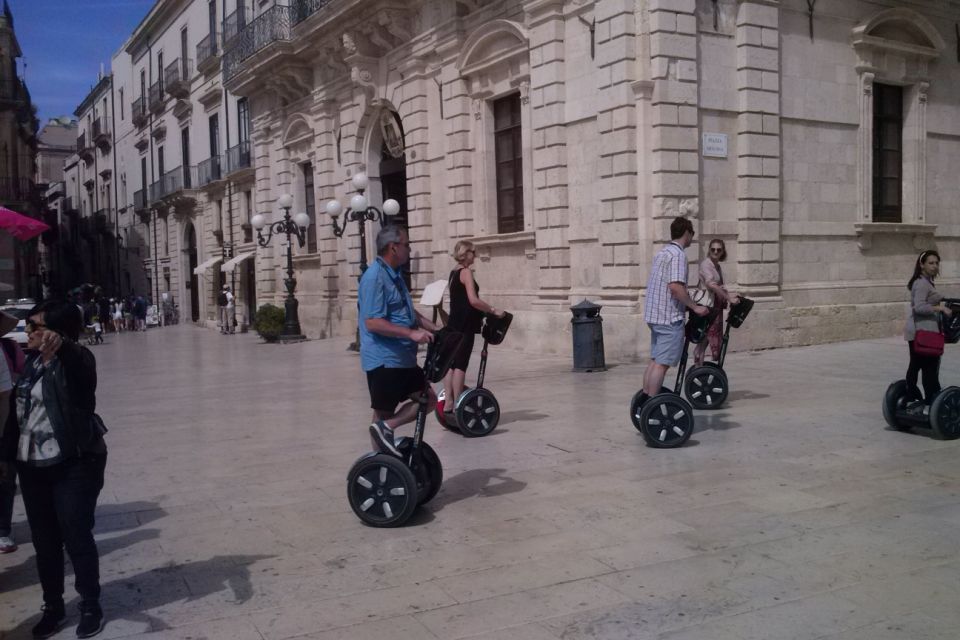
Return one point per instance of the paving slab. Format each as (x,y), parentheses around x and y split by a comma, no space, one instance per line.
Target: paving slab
(793,511)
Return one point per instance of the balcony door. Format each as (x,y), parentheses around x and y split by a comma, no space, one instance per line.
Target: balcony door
(185,156)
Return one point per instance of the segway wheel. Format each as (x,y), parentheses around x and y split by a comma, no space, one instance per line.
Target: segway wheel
(636,404)
(438,412)
(382,490)
(945,414)
(706,387)
(895,399)
(477,413)
(432,474)
(666,420)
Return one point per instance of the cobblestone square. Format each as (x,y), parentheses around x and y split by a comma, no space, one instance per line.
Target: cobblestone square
(793,512)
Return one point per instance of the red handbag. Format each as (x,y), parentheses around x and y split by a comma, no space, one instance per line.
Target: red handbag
(928,343)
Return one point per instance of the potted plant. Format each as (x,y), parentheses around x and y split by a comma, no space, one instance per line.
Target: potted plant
(268,322)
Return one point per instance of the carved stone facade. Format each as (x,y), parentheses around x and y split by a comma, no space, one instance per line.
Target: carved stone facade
(755,118)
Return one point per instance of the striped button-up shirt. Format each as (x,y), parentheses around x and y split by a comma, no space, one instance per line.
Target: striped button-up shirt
(669,265)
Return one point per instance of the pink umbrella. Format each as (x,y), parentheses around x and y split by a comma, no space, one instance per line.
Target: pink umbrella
(20,226)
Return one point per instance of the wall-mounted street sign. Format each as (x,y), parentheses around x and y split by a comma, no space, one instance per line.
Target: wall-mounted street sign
(714,145)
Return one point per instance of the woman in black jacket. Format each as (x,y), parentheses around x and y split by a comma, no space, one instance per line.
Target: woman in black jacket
(60,457)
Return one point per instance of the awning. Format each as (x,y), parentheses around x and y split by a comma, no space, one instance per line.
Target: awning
(204,266)
(231,264)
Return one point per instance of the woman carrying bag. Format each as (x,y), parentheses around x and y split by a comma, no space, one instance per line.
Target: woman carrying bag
(923,333)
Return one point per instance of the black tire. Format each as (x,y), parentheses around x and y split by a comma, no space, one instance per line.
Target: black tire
(430,474)
(478,413)
(945,414)
(706,387)
(382,490)
(894,399)
(666,420)
(636,405)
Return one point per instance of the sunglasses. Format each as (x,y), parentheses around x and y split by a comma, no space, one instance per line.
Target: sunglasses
(716,250)
(32,326)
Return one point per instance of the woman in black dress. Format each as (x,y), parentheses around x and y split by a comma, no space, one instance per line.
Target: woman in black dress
(466,315)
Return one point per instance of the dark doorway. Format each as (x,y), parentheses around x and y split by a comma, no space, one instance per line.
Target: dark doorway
(250,277)
(393,175)
(194,282)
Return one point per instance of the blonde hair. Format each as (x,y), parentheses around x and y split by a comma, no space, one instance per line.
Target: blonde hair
(461,249)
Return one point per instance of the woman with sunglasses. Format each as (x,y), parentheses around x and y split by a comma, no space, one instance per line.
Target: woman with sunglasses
(711,279)
(925,303)
(466,316)
(60,458)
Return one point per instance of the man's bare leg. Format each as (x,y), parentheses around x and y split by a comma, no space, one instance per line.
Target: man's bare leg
(653,378)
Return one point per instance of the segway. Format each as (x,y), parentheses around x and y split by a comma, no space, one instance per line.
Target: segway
(904,409)
(385,490)
(666,419)
(706,386)
(477,411)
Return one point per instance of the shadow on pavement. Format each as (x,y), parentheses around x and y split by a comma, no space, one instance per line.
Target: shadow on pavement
(522,415)
(113,517)
(129,598)
(746,394)
(475,483)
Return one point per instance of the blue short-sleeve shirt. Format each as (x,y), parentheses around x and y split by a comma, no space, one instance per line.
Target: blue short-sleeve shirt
(383,294)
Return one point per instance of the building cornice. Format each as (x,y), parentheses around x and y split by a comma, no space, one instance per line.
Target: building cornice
(153,25)
(99,89)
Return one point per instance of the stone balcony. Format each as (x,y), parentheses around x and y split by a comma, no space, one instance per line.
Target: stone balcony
(156,99)
(138,111)
(208,54)
(176,78)
(102,133)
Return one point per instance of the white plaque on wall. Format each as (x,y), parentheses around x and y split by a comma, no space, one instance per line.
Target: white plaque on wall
(714,145)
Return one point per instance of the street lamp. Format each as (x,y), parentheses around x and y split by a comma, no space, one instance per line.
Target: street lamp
(359,211)
(292,226)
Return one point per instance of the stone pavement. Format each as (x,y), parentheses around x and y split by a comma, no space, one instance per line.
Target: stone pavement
(792,513)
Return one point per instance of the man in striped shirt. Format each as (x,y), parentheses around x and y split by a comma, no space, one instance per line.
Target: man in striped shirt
(666,303)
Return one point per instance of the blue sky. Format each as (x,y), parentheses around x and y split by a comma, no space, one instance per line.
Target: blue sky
(64,42)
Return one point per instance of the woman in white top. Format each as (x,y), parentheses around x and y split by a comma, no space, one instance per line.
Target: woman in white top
(711,279)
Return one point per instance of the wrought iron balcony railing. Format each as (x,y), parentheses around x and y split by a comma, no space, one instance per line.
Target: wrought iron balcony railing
(156,100)
(69,204)
(234,23)
(238,157)
(207,51)
(173,181)
(273,25)
(176,77)
(138,111)
(140,199)
(102,131)
(300,10)
(209,171)
(81,142)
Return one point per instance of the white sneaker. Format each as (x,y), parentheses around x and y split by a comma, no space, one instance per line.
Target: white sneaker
(7,545)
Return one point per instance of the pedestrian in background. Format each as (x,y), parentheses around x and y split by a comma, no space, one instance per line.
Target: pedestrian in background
(231,311)
(60,457)
(222,308)
(15,361)
(925,303)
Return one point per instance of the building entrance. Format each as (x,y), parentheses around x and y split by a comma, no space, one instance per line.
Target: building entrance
(193,284)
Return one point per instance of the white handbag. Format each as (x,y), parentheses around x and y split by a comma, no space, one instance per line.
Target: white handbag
(703,297)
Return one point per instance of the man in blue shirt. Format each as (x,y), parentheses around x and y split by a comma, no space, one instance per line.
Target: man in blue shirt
(390,330)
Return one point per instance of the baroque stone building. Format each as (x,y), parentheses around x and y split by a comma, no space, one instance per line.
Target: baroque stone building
(562,136)
(19,261)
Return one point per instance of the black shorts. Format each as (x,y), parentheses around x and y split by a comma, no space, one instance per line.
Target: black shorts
(390,387)
(462,359)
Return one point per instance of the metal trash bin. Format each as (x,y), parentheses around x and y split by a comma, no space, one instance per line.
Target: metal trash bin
(587,337)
